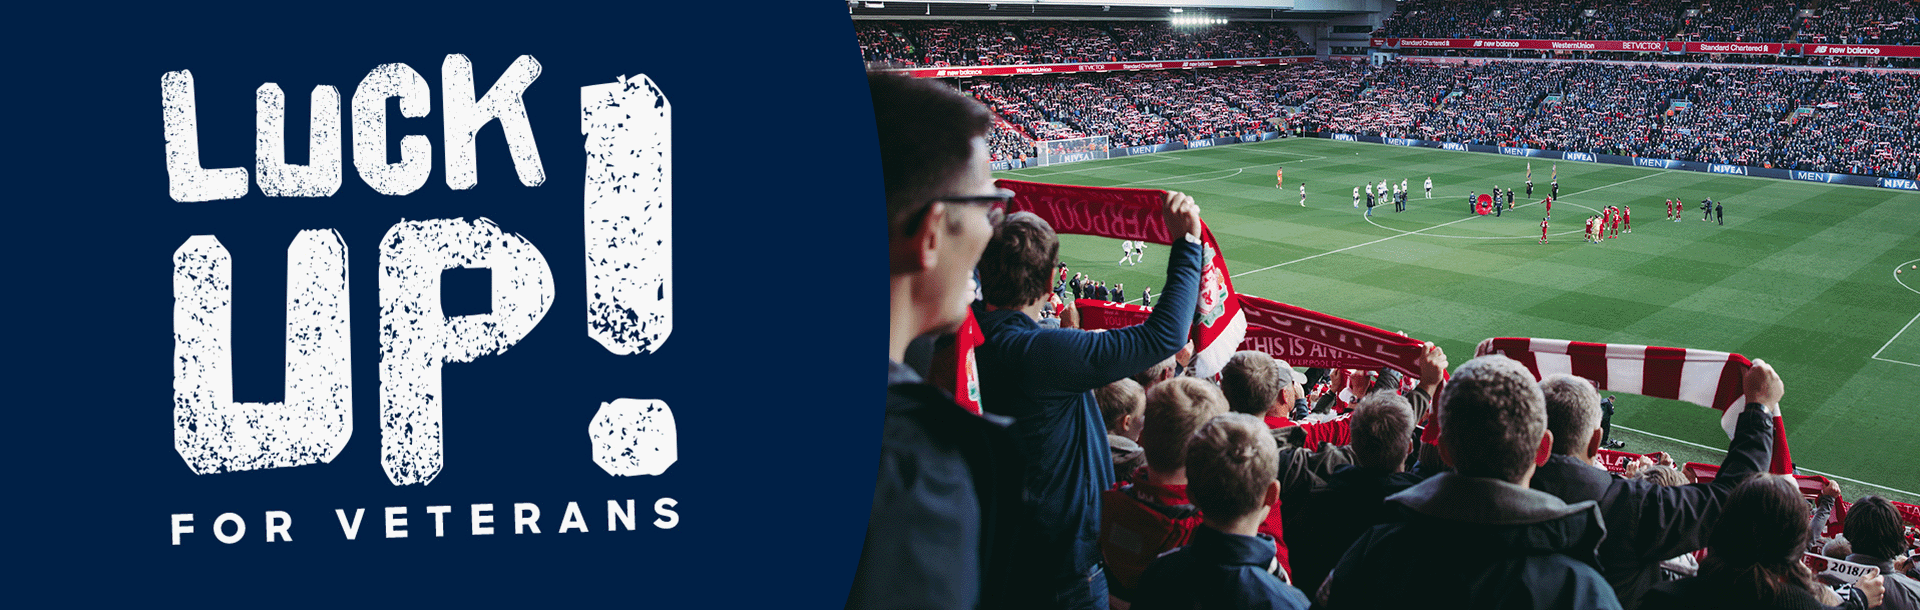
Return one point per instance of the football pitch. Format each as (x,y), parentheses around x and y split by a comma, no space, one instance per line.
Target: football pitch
(1801,275)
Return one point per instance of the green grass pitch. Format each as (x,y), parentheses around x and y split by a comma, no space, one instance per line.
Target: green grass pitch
(1801,275)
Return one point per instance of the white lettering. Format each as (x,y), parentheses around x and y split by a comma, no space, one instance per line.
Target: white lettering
(350,528)
(465,116)
(186,181)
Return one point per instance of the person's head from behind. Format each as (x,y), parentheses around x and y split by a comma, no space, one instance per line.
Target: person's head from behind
(1758,541)
(1232,469)
(1014,268)
(1573,415)
(1251,382)
(933,161)
(1156,373)
(1493,423)
(1123,406)
(1382,427)
(1175,408)
(1874,528)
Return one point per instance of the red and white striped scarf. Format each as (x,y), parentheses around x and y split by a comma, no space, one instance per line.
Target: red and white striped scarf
(1703,377)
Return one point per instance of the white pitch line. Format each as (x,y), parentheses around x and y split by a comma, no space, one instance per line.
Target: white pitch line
(1087,168)
(1896,275)
(1723,450)
(1896,337)
(1276,266)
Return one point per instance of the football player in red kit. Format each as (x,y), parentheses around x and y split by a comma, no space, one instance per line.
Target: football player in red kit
(1543,230)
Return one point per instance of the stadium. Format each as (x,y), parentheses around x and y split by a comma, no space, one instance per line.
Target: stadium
(1386,169)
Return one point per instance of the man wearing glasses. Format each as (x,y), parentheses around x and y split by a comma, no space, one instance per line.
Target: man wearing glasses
(940,491)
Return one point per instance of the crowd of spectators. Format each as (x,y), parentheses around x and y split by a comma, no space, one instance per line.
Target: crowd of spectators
(1891,22)
(1485,487)
(1865,22)
(995,43)
(1860,122)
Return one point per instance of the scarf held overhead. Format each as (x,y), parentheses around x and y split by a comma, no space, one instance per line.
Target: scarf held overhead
(1138,214)
(1703,377)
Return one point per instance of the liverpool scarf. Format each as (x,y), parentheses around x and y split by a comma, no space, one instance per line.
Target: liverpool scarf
(1703,377)
(1304,337)
(1136,214)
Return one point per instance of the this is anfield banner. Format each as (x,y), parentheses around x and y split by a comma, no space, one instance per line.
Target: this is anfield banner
(1304,337)
(1137,214)
(1703,377)
(1300,336)
(1112,66)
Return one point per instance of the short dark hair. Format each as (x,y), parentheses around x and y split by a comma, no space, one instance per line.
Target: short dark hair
(1573,412)
(1382,427)
(1017,266)
(1491,418)
(1251,382)
(926,132)
(1874,528)
(1230,463)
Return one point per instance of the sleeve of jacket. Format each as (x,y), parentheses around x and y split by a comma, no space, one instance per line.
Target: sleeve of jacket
(1079,360)
(1673,520)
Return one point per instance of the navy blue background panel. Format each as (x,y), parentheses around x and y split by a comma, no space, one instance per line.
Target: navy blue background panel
(775,207)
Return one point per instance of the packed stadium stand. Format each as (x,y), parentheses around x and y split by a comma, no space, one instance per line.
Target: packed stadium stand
(1858,122)
(1866,22)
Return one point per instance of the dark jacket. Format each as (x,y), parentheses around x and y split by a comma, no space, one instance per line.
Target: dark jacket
(1217,570)
(1476,543)
(1352,502)
(946,505)
(1903,592)
(1044,379)
(1709,593)
(1648,523)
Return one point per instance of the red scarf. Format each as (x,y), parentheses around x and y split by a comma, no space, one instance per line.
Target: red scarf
(1136,214)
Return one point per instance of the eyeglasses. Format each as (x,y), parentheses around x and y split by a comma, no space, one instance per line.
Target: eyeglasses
(1000,196)
(996,214)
